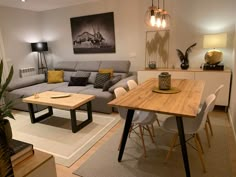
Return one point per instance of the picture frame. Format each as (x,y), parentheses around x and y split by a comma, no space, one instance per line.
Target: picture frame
(93,33)
(157,49)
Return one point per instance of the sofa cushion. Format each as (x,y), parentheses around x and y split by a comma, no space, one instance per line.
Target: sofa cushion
(122,83)
(78,81)
(65,65)
(72,89)
(68,74)
(111,82)
(55,76)
(26,81)
(106,70)
(117,65)
(100,80)
(92,77)
(99,104)
(82,74)
(87,65)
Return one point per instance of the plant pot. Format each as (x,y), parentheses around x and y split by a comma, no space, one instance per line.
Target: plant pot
(184,65)
(6,127)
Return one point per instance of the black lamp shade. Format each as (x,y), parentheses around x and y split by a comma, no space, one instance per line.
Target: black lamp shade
(39,46)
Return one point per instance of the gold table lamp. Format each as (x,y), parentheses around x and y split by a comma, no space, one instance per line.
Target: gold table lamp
(213,41)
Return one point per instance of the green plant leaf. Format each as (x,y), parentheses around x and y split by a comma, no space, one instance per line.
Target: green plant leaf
(1,71)
(8,80)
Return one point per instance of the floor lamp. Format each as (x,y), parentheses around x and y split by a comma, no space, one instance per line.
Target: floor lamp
(41,47)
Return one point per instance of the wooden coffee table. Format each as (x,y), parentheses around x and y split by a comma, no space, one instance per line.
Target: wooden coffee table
(61,100)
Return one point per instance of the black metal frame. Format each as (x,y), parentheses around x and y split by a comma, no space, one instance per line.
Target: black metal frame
(75,128)
(180,126)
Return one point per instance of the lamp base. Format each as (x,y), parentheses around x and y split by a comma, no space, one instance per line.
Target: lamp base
(219,66)
(213,56)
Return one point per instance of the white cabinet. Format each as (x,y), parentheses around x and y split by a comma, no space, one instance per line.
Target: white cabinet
(213,80)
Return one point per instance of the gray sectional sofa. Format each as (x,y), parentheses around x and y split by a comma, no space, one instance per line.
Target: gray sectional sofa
(29,85)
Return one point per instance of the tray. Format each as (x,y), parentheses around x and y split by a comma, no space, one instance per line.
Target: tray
(171,91)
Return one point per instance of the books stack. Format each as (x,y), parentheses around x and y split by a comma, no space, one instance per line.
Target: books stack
(20,151)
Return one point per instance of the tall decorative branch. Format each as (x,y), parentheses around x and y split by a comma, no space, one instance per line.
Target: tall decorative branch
(184,57)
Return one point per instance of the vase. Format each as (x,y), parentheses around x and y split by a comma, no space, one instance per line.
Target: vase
(164,81)
(184,65)
(6,127)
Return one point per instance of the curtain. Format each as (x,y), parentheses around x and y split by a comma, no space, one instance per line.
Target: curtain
(3,58)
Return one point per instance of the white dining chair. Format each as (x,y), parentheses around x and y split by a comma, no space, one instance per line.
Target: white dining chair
(131,85)
(192,126)
(141,119)
(208,122)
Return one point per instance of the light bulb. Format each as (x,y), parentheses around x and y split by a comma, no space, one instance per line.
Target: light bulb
(153,20)
(158,22)
(163,23)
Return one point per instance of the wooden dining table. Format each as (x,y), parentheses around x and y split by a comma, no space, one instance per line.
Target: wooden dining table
(184,104)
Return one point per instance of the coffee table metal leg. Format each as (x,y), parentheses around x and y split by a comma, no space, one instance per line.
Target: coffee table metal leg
(78,127)
(41,117)
(128,122)
(183,145)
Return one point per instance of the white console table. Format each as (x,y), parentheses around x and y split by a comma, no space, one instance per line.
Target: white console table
(213,80)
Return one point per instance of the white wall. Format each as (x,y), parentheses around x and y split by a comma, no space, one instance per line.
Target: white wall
(190,20)
(19,28)
(129,33)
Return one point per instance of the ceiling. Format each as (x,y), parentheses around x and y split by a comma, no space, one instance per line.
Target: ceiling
(41,5)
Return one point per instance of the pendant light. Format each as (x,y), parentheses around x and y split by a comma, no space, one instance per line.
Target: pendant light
(157,17)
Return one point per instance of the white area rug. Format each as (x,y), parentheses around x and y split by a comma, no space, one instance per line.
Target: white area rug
(54,135)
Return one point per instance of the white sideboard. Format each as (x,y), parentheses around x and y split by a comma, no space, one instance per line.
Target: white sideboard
(213,80)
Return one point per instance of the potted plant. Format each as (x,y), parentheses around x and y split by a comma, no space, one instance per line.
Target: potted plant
(5,128)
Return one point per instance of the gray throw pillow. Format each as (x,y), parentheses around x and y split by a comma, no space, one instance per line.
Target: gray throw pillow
(100,80)
(111,82)
(122,83)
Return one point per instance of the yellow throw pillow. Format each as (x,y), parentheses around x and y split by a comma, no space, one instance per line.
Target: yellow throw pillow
(106,70)
(55,76)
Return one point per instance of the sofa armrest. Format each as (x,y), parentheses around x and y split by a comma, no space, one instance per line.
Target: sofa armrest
(26,81)
(122,83)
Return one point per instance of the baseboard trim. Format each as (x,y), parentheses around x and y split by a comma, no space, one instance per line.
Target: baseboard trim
(231,123)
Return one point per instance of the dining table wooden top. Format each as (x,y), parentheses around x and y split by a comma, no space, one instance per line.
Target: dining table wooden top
(185,103)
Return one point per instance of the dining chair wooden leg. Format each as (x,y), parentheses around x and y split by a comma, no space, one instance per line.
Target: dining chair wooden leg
(209,123)
(158,122)
(207,135)
(131,128)
(149,131)
(199,153)
(141,135)
(171,146)
(153,132)
(200,143)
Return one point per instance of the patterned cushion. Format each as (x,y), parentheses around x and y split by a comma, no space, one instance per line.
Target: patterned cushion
(100,80)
